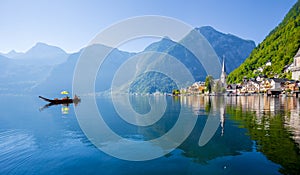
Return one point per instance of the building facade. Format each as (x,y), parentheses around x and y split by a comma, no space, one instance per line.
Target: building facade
(296,66)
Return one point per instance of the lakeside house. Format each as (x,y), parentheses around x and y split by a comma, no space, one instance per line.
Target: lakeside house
(251,86)
(264,85)
(200,88)
(295,68)
(195,88)
(260,84)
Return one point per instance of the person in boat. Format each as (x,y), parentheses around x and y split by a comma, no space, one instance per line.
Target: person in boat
(66,98)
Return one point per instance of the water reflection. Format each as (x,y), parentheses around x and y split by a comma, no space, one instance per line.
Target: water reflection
(259,130)
(260,134)
(229,143)
(64,105)
(274,124)
(265,107)
(203,105)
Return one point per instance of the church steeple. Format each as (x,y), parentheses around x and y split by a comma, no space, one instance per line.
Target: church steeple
(223,74)
(223,65)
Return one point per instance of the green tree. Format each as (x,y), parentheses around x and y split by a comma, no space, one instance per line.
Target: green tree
(279,47)
(209,83)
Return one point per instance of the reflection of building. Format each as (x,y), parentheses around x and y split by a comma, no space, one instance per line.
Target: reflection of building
(296,67)
(222,117)
(292,122)
(197,103)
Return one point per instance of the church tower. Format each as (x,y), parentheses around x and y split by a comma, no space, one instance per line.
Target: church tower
(223,74)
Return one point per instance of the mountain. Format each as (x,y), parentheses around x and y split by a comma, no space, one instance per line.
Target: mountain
(60,78)
(279,47)
(21,72)
(151,82)
(49,69)
(17,78)
(43,54)
(182,54)
(12,54)
(5,62)
(62,75)
(234,49)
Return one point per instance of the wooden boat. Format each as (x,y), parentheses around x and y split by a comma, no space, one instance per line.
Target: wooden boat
(65,100)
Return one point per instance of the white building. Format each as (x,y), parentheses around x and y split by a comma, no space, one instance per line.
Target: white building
(277,83)
(296,68)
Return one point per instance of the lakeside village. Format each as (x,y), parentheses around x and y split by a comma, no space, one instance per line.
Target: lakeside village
(259,85)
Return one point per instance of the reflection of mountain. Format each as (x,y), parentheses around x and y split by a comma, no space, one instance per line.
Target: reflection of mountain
(228,140)
(232,142)
(274,135)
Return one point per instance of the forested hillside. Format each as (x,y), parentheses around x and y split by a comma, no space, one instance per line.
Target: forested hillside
(279,48)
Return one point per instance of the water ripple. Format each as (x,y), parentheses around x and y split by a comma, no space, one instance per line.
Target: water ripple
(16,148)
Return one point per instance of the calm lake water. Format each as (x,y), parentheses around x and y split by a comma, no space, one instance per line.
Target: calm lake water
(254,135)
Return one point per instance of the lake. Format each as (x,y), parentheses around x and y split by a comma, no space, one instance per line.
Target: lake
(224,135)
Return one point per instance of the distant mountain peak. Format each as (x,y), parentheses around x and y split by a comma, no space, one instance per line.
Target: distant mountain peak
(12,54)
(41,43)
(207,28)
(44,46)
(210,30)
(42,53)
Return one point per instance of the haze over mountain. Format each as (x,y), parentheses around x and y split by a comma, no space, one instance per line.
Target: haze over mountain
(21,72)
(50,69)
(12,54)
(19,78)
(43,53)
(62,75)
(39,54)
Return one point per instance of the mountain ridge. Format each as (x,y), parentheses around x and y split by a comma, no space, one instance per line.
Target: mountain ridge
(58,75)
(12,54)
(228,46)
(233,48)
(40,53)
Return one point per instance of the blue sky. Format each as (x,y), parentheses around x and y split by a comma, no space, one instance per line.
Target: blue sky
(71,24)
